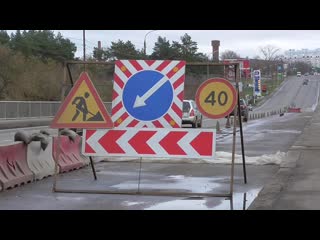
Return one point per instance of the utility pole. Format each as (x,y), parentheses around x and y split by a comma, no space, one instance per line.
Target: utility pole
(145,42)
(84,48)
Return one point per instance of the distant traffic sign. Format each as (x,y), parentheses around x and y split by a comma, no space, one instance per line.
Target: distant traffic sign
(82,108)
(216,98)
(148,93)
(257,82)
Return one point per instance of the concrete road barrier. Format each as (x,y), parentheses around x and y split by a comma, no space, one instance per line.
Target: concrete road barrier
(297,110)
(14,169)
(40,161)
(70,158)
(76,149)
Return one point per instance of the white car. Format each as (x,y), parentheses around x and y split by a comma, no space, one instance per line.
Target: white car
(191,114)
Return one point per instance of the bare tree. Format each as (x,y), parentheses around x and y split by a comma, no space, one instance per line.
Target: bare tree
(271,58)
(228,54)
(269,52)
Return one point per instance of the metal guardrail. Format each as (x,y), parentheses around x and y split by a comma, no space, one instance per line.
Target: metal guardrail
(32,109)
(42,109)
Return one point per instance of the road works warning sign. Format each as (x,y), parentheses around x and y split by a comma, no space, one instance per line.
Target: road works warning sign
(83,108)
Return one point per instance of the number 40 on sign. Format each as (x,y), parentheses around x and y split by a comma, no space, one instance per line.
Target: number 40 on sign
(216,98)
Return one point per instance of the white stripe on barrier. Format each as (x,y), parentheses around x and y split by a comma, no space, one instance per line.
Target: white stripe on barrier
(40,162)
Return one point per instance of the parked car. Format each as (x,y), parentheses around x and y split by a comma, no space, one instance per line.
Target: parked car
(191,114)
(244,110)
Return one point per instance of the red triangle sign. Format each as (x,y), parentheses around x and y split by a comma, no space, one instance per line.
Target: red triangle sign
(82,108)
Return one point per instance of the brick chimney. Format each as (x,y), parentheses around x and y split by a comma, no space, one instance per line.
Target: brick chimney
(215,50)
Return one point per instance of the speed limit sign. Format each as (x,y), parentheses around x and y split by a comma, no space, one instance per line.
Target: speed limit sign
(216,98)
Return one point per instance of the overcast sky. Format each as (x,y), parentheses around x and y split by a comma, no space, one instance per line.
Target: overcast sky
(244,42)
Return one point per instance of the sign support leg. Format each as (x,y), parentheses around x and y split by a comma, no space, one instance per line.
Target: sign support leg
(139,175)
(244,200)
(93,169)
(234,135)
(233,152)
(231,203)
(241,137)
(56,169)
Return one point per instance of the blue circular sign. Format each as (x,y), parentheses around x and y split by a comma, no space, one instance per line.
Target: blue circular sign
(147,95)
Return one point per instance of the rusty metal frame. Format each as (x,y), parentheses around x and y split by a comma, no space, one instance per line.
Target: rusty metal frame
(155,192)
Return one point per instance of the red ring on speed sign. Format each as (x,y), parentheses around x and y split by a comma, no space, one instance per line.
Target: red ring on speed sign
(210,86)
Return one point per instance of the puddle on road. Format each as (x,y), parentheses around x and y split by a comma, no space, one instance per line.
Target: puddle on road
(177,177)
(73,198)
(177,182)
(128,203)
(240,201)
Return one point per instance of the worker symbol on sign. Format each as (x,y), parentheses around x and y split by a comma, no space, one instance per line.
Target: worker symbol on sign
(81,107)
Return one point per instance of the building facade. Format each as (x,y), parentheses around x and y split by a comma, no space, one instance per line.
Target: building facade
(303,55)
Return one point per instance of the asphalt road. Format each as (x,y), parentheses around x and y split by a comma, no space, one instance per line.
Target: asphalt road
(191,178)
(293,92)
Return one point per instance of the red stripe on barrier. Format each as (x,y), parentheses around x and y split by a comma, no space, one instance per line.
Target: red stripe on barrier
(114,95)
(181,95)
(157,124)
(116,108)
(89,149)
(177,110)
(70,158)
(170,120)
(133,123)
(123,68)
(121,119)
(297,110)
(174,70)
(163,65)
(170,143)
(150,62)
(178,82)
(136,65)
(14,169)
(118,80)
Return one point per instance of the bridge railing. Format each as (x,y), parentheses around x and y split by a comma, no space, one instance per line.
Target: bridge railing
(32,109)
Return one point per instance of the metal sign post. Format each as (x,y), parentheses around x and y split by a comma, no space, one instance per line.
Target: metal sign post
(233,148)
(241,132)
(56,168)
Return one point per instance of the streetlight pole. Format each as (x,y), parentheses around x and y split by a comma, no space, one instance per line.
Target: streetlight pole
(84,48)
(144,43)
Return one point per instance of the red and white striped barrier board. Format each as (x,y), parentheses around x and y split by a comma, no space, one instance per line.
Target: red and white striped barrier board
(140,100)
(144,142)
(291,109)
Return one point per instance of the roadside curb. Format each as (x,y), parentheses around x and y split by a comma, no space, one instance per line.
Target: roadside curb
(269,193)
(12,124)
